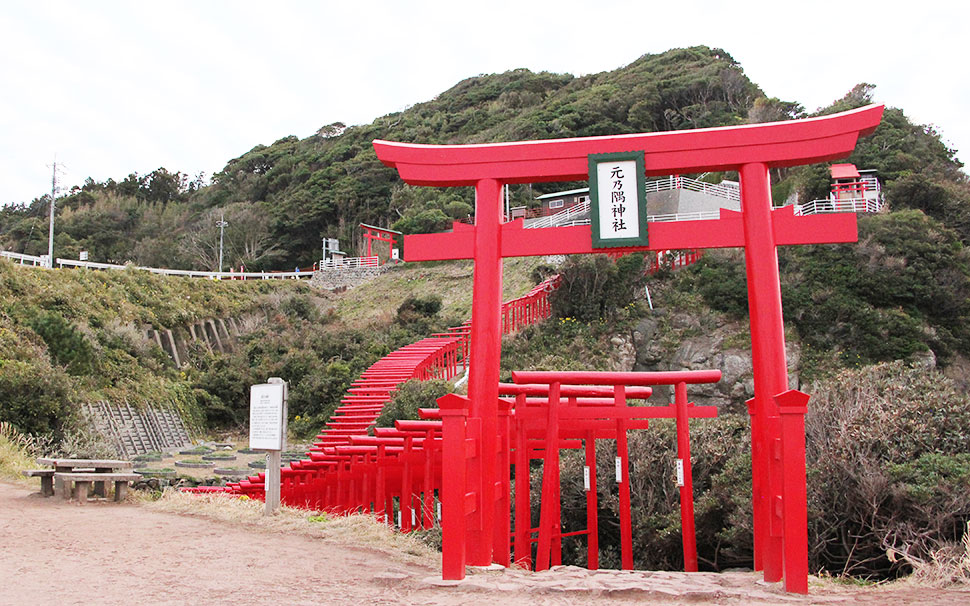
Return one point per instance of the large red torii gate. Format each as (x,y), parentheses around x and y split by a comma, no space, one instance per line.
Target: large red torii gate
(777,413)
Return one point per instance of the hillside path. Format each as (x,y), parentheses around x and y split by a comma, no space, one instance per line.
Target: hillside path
(57,552)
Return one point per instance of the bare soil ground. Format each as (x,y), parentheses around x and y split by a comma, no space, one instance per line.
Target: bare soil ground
(57,552)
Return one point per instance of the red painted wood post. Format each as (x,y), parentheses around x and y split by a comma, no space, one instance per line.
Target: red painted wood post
(623,465)
(687,487)
(486,351)
(407,492)
(454,462)
(501,550)
(759,485)
(427,509)
(523,512)
(548,518)
(767,349)
(592,519)
(792,406)
(380,498)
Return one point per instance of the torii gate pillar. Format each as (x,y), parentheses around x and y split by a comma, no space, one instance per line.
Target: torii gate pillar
(486,347)
(777,413)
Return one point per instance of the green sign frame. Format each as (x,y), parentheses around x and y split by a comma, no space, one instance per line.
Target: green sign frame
(599,207)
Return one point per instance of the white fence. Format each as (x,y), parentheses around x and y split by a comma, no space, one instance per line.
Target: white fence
(350,263)
(725,189)
(851,205)
(214,275)
(566,218)
(22,259)
(574,215)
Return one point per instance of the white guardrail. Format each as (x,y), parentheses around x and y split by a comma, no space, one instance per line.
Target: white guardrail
(851,205)
(348,263)
(565,218)
(351,263)
(728,192)
(214,275)
(25,259)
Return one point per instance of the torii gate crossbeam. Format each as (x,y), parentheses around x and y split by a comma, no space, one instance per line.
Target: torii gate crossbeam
(777,413)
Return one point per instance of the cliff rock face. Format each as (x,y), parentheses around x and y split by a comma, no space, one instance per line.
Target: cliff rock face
(684,341)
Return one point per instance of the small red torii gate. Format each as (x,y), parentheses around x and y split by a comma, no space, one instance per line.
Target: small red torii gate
(379,234)
(777,413)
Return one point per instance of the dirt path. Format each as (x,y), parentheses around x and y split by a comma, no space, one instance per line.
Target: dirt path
(56,552)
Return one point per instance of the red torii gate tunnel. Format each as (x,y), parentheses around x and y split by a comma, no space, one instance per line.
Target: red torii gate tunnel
(777,413)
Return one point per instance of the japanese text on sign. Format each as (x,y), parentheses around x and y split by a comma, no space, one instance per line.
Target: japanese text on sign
(618,207)
(266,417)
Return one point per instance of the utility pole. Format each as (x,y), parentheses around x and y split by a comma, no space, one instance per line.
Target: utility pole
(222,226)
(50,237)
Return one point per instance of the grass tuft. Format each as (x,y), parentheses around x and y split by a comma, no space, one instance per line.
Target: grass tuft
(358,529)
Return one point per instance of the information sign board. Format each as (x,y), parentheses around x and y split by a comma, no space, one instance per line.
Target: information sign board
(266,416)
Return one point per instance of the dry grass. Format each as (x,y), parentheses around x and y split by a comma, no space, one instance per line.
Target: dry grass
(359,530)
(946,567)
(375,301)
(16,453)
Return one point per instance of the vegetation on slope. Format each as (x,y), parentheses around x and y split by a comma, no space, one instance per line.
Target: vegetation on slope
(70,337)
(73,337)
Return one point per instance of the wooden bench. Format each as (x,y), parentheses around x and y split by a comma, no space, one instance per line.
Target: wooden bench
(46,480)
(82,483)
(86,465)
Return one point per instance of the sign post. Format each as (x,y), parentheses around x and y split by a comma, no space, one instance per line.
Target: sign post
(267,431)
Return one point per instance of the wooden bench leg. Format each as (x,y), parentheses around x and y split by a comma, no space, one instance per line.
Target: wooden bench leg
(65,489)
(121,490)
(47,486)
(100,486)
(81,488)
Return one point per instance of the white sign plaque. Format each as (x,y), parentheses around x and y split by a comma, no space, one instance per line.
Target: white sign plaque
(618,211)
(680,472)
(266,416)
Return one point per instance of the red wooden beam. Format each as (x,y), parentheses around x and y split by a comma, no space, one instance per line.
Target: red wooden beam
(775,144)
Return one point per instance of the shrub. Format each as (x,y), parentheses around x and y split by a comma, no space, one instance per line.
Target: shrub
(34,396)
(594,287)
(887,451)
(66,345)
(415,307)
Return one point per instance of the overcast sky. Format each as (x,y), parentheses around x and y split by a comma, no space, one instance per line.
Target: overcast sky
(109,88)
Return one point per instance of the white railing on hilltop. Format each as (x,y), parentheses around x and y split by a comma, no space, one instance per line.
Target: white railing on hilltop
(214,275)
(566,218)
(23,259)
(850,205)
(725,189)
(704,215)
(350,263)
